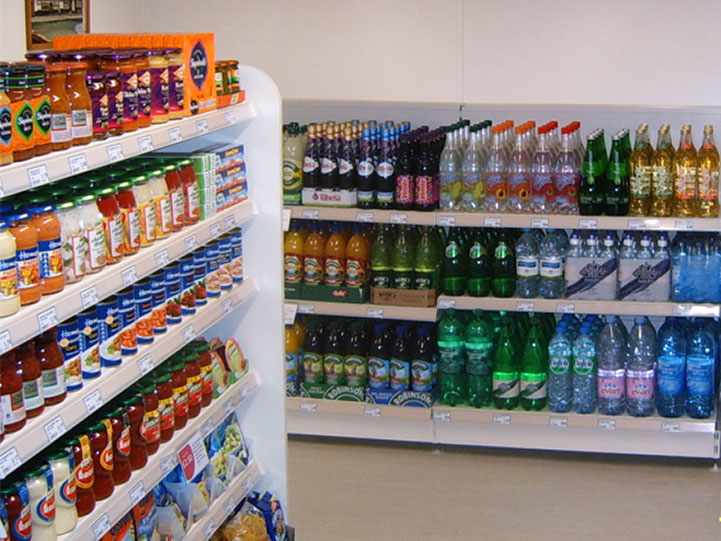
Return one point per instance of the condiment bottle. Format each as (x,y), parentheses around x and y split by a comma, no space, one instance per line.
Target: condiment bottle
(50,248)
(130,215)
(194,382)
(202,349)
(177,196)
(21,112)
(98,91)
(122,63)
(166,405)
(146,209)
(191,190)
(81,106)
(61,135)
(101,449)
(92,222)
(159,317)
(176,83)
(200,270)
(62,465)
(142,66)
(151,422)
(11,393)
(159,103)
(9,297)
(84,474)
(69,343)
(28,261)
(135,410)
(17,504)
(128,318)
(112,224)
(40,102)
(6,140)
(120,424)
(51,363)
(74,241)
(114,90)
(89,343)
(161,198)
(28,364)
(42,503)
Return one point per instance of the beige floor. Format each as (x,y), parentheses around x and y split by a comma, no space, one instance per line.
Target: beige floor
(346,490)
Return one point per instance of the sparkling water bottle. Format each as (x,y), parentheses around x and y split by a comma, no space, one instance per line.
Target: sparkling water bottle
(560,375)
(584,372)
(671,369)
(680,291)
(611,352)
(542,200)
(551,283)
(700,358)
(451,379)
(449,166)
(641,368)
(527,256)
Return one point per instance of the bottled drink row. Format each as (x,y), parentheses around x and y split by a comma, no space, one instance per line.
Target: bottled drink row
(504,168)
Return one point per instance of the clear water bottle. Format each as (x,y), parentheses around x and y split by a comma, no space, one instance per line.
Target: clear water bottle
(542,200)
(671,369)
(714,270)
(575,247)
(590,246)
(661,248)
(697,269)
(679,269)
(494,173)
(628,246)
(584,372)
(641,368)
(611,353)
(567,176)
(551,283)
(471,173)
(527,263)
(560,374)
(449,167)
(519,166)
(608,248)
(644,247)
(700,376)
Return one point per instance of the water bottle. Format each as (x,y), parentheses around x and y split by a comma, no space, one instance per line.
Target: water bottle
(661,248)
(551,283)
(679,269)
(714,270)
(584,372)
(527,265)
(590,246)
(644,250)
(560,375)
(542,200)
(641,368)
(697,272)
(611,354)
(671,369)
(700,376)
(575,248)
(628,246)
(451,378)
(449,170)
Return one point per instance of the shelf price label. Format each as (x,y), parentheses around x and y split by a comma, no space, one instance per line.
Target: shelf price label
(585,223)
(504,419)
(286,219)
(207,428)
(229,407)
(637,225)
(209,529)
(89,297)
(38,175)
(145,143)
(226,305)
(78,164)
(442,416)
(201,126)
(229,505)
(54,429)
(308,407)
(188,333)
(129,276)
(229,222)
(398,218)
(670,426)
(193,457)
(492,221)
(47,319)
(115,153)
(539,223)
(6,342)
(248,483)
(137,493)
(607,424)
(525,306)
(145,364)
(372,412)
(167,464)
(684,225)
(2,191)
(306,308)
(191,243)
(366,217)
(9,461)
(94,401)
(215,229)
(565,308)
(230,117)
(290,309)
(101,526)
(310,214)
(446,221)
(444,304)
(374,312)
(558,422)
(175,135)
(243,393)
(161,258)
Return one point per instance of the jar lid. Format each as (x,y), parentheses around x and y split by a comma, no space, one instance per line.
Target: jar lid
(123,184)
(60,454)
(145,387)
(85,198)
(107,190)
(95,75)
(77,66)
(131,400)
(132,51)
(173,50)
(67,205)
(58,67)
(115,55)
(115,412)
(33,68)
(139,179)
(16,70)
(156,52)
(200,345)
(184,162)
(97,427)
(40,209)
(43,56)
(18,216)
(160,376)
(156,173)
(37,471)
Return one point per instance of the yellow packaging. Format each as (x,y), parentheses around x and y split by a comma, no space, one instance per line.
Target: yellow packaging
(199,59)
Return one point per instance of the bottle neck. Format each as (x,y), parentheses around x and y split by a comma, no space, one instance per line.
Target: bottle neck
(708,140)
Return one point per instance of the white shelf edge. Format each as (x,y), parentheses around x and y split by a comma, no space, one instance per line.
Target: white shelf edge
(364,310)
(14,177)
(31,439)
(24,324)
(117,505)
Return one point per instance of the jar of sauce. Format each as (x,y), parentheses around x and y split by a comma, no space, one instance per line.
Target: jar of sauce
(177,196)
(98,91)
(176,83)
(159,317)
(221,77)
(101,449)
(53,369)
(9,297)
(151,428)
(17,504)
(50,248)
(120,425)
(128,317)
(195,383)
(109,325)
(69,343)
(135,410)
(62,465)
(21,112)
(92,222)
(173,290)
(166,405)
(146,209)
(61,135)
(124,64)
(200,270)
(40,102)
(29,366)
(89,343)
(192,190)
(42,503)
(161,198)
(160,99)
(81,106)
(11,393)
(180,391)
(116,108)
(112,224)
(202,349)
(233,77)
(74,244)
(130,214)
(6,132)
(143,311)
(84,473)
(142,66)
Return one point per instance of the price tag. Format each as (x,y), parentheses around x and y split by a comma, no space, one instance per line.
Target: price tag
(539,223)
(93,401)
(54,429)
(444,303)
(226,305)
(89,297)
(364,217)
(502,419)
(47,319)
(371,412)
(38,175)
(188,333)
(680,309)
(229,505)
(192,457)
(145,143)
(101,526)
(9,461)
(115,153)
(229,407)
(244,391)
(167,464)
(566,308)
(162,259)
(129,276)
(175,135)
(145,364)
(684,225)
(290,309)
(229,222)
(669,426)
(6,342)
(137,493)
(248,485)
(201,126)
(374,312)
(209,529)
(305,308)
(442,416)
(215,230)
(308,407)
(558,422)
(446,221)
(492,221)
(310,214)
(78,164)
(585,223)
(637,225)
(397,218)
(191,243)
(607,424)
(286,219)
(230,117)
(207,428)
(525,306)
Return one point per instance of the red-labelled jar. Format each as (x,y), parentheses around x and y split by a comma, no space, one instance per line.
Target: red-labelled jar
(98,90)
(192,191)
(16,499)
(52,365)
(135,408)
(177,196)
(112,224)
(84,474)
(120,425)
(202,350)
(151,422)
(194,382)
(166,405)
(11,393)
(28,364)
(130,215)
(101,448)
(176,369)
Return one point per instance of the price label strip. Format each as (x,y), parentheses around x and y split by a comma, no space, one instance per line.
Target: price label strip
(558,422)
(47,319)
(209,529)
(226,305)
(78,164)
(101,527)
(366,217)
(188,333)
(167,464)
(502,419)
(372,412)
(308,407)
(175,135)
(54,429)
(229,505)
(446,221)
(230,117)
(290,309)
(38,175)
(162,259)
(201,126)
(89,297)
(492,221)
(397,218)
(6,342)
(310,214)
(215,230)
(286,219)
(129,276)
(444,304)
(9,461)
(374,312)
(442,416)
(539,223)
(145,364)
(191,243)
(607,424)
(145,143)
(115,153)
(137,493)
(94,401)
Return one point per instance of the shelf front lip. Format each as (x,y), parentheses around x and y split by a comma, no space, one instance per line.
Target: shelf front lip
(356,409)
(115,380)
(25,325)
(482,219)
(117,505)
(14,177)
(364,310)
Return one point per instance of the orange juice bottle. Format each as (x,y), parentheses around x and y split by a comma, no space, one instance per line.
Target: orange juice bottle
(313,255)
(335,257)
(293,258)
(292,351)
(356,259)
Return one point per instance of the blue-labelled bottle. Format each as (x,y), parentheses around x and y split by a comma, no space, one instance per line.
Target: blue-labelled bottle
(700,377)
(641,369)
(584,372)
(671,369)
(527,264)
(560,374)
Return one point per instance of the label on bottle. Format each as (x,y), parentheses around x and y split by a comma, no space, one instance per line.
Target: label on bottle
(195,389)
(671,377)
(333,368)
(424,190)
(81,125)
(75,256)
(144,97)
(451,250)
(518,186)
(640,384)
(551,267)
(177,208)
(355,272)
(310,164)
(402,278)
(334,271)
(131,228)
(21,527)
(584,366)
(114,233)
(313,270)
(533,385)
(496,186)
(68,491)
(478,360)
(611,383)
(8,278)
(33,394)
(292,175)
(424,279)
(542,188)
(53,382)
(501,251)
(13,407)
(400,374)
(473,186)
(293,268)
(526,267)
(167,414)
(28,265)
(23,124)
(385,169)
(384,198)
(176,90)
(180,398)
(148,223)
(355,370)
(700,374)
(106,455)
(313,367)
(192,201)
(6,129)
(84,472)
(708,184)
(122,444)
(344,166)
(159,98)
(327,166)
(129,82)
(151,420)
(559,366)
(96,247)
(381,277)
(163,214)
(450,360)
(566,187)
(378,372)
(51,258)
(641,181)
(685,182)
(505,384)
(291,366)
(661,182)
(421,375)
(60,130)
(404,190)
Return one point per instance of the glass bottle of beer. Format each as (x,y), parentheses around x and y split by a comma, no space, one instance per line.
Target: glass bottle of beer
(640,165)
(661,174)
(617,185)
(685,181)
(708,175)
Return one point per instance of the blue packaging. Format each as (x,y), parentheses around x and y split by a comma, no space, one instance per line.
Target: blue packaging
(126,309)
(187,285)
(69,342)
(159,315)
(143,296)
(89,344)
(108,312)
(172,294)
(200,269)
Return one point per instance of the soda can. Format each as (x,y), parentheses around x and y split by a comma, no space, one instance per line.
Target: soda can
(143,296)
(236,263)
(69,342)
(172,294)
(200,269)
(212,261)
(108,312)
(89,343)
(187,285)
(159,315)
(126,309)
(226,256)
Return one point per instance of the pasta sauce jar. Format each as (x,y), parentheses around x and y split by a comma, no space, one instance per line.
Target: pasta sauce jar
(29,366)
(9,297)
(176,369)
(16,498)
(81,106)
(112,224)
(89,343)
(69,343)
(128,334)
(130,214)
(28,262)
(151,421)
(135,410)
(62,466)
(202,350)
(84,473)
(166,405)
(176,83)
(145,208)
(143,295)
(50,248)
(11,393)
(120,427)
(53,369)
(98,91)
(101,449)
(159,103)
(61,136)
(142,67)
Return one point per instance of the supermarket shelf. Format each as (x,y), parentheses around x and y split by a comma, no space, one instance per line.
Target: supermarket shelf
(222,508)
(503,220)
(39,432)
(496,428)
(581,307)
(52,309)
(364,310)
(21,176)
(110,510)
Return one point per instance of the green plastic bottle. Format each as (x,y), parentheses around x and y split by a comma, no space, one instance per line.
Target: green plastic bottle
(479,265)
(479,355)
(451,365)
(503,282)
(453,264)
(534,369)
(505,368)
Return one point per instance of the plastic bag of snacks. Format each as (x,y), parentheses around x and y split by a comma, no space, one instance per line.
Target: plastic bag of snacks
(145,518)
(247,525)
(193,497)
(124,530)
(172,522)
(227,449)
(273,514)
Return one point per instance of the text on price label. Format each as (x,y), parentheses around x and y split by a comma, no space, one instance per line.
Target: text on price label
(364,217)
(372,412)
(6,342)
(145,364)
(38,175)
(230,117)
(129,276)
(226,305)
(89,297)
(168,463)
(175,135)
(229,505)
(502,419)
(539,223)
(115,153)
(492,221)
(191,243)
(229,407)
(9,461)
(607,424)
(2,190)
(442,416)
(188,333)
(558,422)
(215,230)
(229,221)
(47,319)
(209,529)
(145,143)
(94,401)
(78,163)
(286,219)
(309,214)
(397,218)
(101,527)
(446,221)
(192,457)
(207,428)
(290,309)
(308,407)
(137,493)
(54,429)
(162,259)
(374,312)
(201,126)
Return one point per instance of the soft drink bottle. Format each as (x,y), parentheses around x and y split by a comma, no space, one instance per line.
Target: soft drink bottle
(640,168)
(685,169)
(355,361)
(379,358)
(427,260)
(584,372)
(519,167)
(593,174)
(335,248)
(505,382)
(527,263)
(560,375)
(401,359)
(311,160)
(641,369)
(551,283)
(708,176)
(385,173)
(700,373)
(450,175)
(402,258)
(495,179)
(293,154)
(333,367)
(662,174)
(472,174)
(542,194)
(534,369)
(479,354)
(617,174)
(503,281)
(566,176)
(314,256)
(671,369)
(356,259)
(425,173)
(313,354)
(451,379)
(453,264)
(366,173)
(329,160)
(405,182)
(381,256)
(347,172)
(611,352)
(422,364)
(479,265)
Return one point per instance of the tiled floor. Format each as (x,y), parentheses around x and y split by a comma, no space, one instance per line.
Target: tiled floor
(347,490)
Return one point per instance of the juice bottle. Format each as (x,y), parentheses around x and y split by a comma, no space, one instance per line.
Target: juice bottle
(640,162)
(335,248)
(292,350)
(708,175)
(356,259)
(293,254)
(685,167)
(313,256)
(661,174)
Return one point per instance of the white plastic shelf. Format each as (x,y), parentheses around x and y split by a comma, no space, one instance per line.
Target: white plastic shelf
(21,176)
(364,310)
(52,309)
(109,511)
(40,431)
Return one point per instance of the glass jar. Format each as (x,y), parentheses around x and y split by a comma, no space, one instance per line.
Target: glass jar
(116,109)
(151,422)
(129,83)
(112,224)
(40,102)
(6,131)
(179,381)
(135,409)
(17,505)
(166,405)
(107,312)
(50,248)
(191,190)
(159,317)
(29,366)
(200,269)
(98,91)
(142,66)
(81,106)
(202,349)
(146,209)
(173,290)
(195,383)
(177,196)
(74,242)
(120,426)
(39,482)
(84,474)
(62,466)
(92,222)
(187,285)
(53,368)
(101,449)
(89,343)
(161,198)
(11,393)
(176,83)
(158,86)
(221,78)
(21,112)
(130,215)
(233,77)
(9,297)
(143,311)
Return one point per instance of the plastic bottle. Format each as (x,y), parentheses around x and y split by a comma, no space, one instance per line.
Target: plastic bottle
(451,378)
(401,359)
(680,290)
(453,264)
(700,373)
(472,175)
(402,258)
(611,352)
(551,283)
(479,354)
(542,194)
(313,256)
(293,254)
(449,167)
(519,166)
(584,372)
(567,176)
(503,280)
(356,259)
(333,367)
(293,151)
(427,260)
(495,179)
(291,358)
(479,265)
(534,369)
(527,263)
(334,261)
(423,367)
(505,383)
(641,369)
(379,358)
(671,369)
(560,374)
(381,256)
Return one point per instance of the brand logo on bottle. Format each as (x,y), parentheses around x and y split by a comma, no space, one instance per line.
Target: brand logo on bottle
(123,443)
(385,169)
(68,490)
(451,250)
(6,125)
(22,527)
(106,458)
(309,164)
(43,117)
(365,168)
(45,508)
(198,65)
(24,122)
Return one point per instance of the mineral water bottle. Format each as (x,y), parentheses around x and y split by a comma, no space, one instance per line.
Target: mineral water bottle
(628,246)
(584,372)
(700,359)
(611,352)
(641,368)
(534,369)
(449,167)
(551,283)
(680,291)
(472,174)
(506,367)
(542,195)
(671,369)
(479,354)
(451,379)
(527,259)
(519,167)
(567,176)
(560,374)
(496,182)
